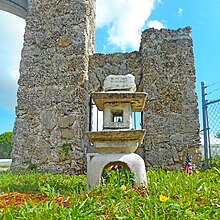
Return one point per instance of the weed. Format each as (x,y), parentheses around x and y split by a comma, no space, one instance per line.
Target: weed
(65,150)
(32,166)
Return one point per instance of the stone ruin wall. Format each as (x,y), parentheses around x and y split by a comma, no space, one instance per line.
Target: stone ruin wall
(164,68)
(171,116)
(52,95)
(58,71)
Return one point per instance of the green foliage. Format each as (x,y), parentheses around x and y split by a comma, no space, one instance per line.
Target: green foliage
(5,145)
(32,166)
(65,150)
(215,162)
(189,197)
(118,177)
(218,135)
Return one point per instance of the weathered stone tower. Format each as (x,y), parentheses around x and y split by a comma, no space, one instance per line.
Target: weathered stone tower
(58,72)
(52,95)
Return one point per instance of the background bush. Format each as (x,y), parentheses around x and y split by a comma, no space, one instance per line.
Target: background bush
(5,145)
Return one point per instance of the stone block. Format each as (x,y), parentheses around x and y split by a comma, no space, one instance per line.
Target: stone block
(68,134)
(119,82)
(48,119)
(66,122)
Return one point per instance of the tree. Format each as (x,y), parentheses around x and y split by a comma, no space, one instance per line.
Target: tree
(218,135)
(5,145)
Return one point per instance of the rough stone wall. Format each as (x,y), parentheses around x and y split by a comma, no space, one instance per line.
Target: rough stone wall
(52,95)
(164,68)
(103,65)
(171,114)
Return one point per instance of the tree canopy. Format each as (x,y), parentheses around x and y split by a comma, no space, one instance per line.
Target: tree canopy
(218,135)
(5,145)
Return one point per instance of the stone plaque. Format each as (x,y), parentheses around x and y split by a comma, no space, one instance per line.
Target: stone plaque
(120,83)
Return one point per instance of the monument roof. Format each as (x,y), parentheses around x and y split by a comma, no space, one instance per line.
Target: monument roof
(137,99)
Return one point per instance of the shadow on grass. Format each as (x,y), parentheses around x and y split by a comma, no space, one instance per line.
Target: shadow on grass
(22,188)
(48,184)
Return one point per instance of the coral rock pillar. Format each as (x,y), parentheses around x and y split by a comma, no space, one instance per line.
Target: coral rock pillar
(52,96)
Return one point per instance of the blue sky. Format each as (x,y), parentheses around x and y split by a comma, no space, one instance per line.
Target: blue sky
(119,25)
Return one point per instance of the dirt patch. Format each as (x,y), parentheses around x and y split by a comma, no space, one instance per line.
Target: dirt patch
(16,198)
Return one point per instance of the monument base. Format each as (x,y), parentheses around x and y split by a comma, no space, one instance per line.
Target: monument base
(96,163)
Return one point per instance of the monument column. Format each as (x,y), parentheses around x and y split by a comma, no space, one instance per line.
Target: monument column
(51,112)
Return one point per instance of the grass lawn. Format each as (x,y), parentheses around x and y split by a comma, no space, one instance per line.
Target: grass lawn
(170,195)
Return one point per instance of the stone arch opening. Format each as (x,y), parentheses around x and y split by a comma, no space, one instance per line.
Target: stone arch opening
(98,162)
(117,173)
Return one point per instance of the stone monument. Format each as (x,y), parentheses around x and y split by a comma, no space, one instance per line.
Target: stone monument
(116,143)
(59,71)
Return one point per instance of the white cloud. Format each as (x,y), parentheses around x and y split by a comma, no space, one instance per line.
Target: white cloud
(8,88)
(180,12)
(14,74)
(11,41)
(155,24)
(12,27)
(125,20)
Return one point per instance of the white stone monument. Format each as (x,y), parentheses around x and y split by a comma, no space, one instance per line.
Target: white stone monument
(116,143)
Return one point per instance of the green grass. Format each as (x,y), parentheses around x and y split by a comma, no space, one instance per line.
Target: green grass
(4,166)
(189,197)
